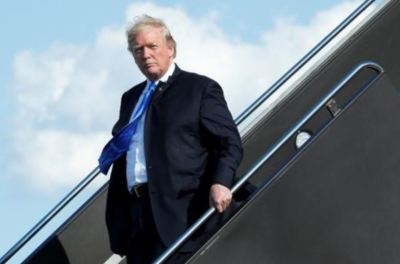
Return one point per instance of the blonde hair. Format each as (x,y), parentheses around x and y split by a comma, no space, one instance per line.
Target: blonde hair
(145,21)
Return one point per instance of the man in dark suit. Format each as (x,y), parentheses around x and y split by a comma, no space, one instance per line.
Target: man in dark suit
(182,157)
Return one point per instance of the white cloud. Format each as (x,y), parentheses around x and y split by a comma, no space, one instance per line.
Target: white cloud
(68,95)
(57,159)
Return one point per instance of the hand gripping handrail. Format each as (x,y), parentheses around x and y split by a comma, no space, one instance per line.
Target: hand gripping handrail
(248,111)
(268,154)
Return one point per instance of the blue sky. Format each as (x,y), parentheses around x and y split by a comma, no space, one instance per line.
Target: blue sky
(64,64)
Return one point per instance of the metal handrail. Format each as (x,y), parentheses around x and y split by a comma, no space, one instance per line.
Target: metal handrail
(92,175)
(49,216)
(249,110)
(268,154)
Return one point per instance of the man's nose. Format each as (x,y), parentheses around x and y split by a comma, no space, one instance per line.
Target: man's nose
(146,52)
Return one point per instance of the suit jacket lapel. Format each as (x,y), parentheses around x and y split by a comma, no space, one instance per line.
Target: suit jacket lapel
(162,87)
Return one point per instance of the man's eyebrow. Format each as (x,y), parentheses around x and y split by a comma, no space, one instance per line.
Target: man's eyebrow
(137,47)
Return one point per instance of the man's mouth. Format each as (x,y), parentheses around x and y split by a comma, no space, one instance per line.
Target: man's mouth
(149,65)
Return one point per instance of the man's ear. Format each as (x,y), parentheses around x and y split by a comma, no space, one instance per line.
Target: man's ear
(170,51)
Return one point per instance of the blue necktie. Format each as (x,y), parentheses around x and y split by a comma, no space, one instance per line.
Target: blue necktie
(119,144)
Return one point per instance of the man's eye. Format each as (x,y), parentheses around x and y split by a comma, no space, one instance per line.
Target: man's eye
(153,46)
(138,50)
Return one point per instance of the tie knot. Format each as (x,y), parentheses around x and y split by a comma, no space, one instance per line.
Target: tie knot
(152,85)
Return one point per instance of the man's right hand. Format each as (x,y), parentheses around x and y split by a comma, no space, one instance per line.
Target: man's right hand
(220,197)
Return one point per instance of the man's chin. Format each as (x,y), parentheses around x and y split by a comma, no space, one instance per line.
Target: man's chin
(152,75)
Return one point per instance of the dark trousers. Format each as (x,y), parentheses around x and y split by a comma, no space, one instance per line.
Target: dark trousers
(145,245)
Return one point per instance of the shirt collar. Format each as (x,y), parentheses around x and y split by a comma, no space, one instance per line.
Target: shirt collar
(165,77)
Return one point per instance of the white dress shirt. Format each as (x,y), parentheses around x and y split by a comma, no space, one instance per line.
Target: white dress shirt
(135,157)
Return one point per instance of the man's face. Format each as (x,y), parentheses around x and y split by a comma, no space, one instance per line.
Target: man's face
(152,53)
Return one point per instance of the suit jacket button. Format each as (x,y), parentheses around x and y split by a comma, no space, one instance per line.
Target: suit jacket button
(149,167)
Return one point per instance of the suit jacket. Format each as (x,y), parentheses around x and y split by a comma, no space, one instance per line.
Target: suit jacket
(190,141)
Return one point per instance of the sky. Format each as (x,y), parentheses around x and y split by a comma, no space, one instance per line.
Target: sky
(64,66)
